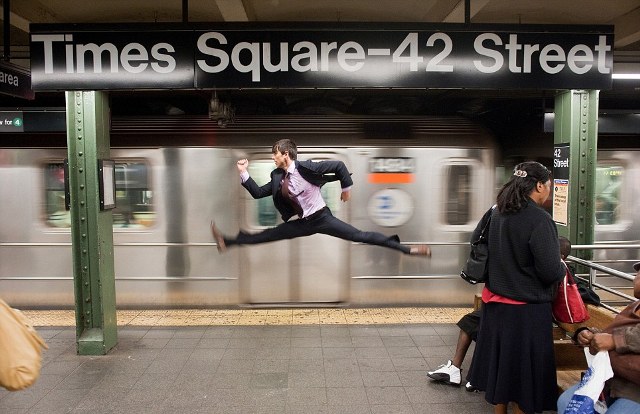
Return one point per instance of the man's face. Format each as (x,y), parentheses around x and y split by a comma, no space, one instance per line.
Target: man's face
(280,159)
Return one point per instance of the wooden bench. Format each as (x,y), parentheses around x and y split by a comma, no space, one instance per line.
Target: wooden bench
(570,361)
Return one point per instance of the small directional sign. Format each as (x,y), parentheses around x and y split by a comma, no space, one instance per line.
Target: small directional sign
(11,122)
(15,81)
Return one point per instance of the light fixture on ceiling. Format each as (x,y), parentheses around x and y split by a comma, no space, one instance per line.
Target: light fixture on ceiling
(221,112)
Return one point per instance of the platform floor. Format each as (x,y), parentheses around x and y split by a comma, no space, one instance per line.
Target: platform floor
(165,362)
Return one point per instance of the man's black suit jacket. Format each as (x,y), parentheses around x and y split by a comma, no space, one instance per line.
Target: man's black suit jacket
(317,173)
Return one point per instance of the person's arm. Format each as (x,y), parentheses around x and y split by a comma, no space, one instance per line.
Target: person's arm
(248,182)
(627,339)
(624,340)
(546,252)
(335,167)
(242,166)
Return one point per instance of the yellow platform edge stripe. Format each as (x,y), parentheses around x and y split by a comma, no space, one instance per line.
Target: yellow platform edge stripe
(243,317)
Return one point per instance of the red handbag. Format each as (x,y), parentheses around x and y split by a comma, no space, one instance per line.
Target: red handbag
(568,306)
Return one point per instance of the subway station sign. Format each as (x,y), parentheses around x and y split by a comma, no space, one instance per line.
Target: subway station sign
(15,81)
(320,55)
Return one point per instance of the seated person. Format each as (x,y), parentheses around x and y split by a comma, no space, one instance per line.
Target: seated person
(622,339)
(450,373)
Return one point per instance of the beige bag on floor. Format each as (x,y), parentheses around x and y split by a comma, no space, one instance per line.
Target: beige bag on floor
(20,349)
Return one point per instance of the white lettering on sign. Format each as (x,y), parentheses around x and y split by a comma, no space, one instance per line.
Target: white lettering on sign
(551,58)
(134,57)
(392,165)
(8,78)
(434,53)
(561,163)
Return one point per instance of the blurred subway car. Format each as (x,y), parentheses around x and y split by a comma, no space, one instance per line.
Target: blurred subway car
(427,179)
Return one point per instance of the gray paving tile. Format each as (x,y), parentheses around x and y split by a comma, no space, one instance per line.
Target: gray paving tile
(367,342)
(307,379)
(307,396)
(363,330)
(392,409)
(346,396)
(381,379)
(190,332)
(236,366)
(375,364)
(394,341)
(336,341)
(306,342)
(240,353)
(218,332)
(305,332)
(387,396)
(160,333)
(409,364)
(334,330)
(176,342)
(251,369)
(270,380)
(206,342)
(404,352)
(306,353)
(428,340)
(271,365)
(339,352)
(273,353)
(393,330)
(248,342)
(306,365)
(343,379)
(377,352)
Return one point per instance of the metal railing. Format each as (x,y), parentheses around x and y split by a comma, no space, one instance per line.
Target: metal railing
(597,267)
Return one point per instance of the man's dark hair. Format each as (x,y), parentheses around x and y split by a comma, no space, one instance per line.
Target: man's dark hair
(286,145)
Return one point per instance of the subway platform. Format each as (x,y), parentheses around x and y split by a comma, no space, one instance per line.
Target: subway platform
(252,361)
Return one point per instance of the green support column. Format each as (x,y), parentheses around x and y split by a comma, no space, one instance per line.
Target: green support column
(576,124)
(91,229)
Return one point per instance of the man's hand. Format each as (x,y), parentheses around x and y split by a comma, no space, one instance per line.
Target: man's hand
(584,337)
(242,165)
(601,342)
(345,196)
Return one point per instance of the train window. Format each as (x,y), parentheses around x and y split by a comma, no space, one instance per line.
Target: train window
(56,213)
(262,212)
(134,197)
(608,184)
(458,200)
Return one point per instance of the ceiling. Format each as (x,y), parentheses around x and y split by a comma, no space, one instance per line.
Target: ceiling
(623,14)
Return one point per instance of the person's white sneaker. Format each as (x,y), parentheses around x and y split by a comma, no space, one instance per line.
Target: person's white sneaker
(447,373)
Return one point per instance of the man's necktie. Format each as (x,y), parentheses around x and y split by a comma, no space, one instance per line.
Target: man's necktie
(287,195)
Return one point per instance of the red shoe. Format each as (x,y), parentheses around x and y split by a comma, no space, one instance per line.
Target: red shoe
(217,236)
(421,250)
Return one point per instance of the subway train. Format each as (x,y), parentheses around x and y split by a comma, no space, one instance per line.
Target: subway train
(426,179)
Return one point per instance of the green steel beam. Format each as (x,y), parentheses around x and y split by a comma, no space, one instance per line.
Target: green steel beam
(91,229)
(576,124)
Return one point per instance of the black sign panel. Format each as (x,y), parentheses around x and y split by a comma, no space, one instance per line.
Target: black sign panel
(321,56)
(561,161)
(11,122)
(15,81)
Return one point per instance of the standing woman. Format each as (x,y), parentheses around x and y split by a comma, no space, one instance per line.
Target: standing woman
(513,359)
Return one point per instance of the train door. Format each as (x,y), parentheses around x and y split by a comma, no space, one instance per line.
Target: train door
(304,270)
